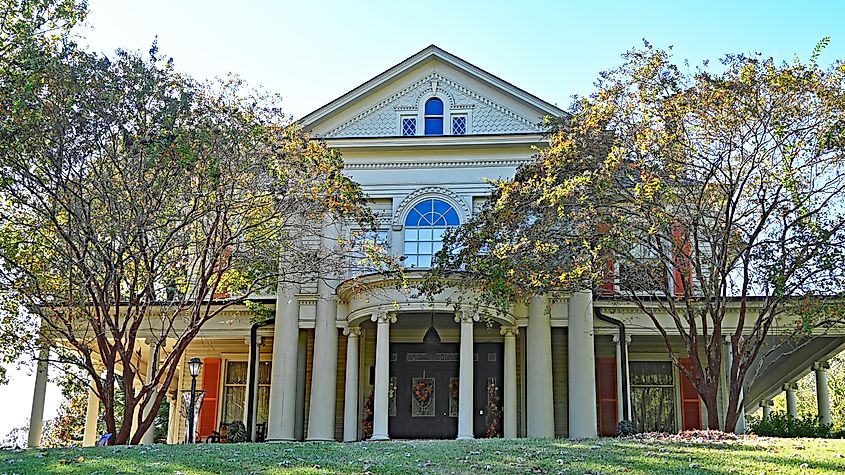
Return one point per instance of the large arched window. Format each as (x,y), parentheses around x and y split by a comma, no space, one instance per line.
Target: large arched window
(434,117)
(424,228)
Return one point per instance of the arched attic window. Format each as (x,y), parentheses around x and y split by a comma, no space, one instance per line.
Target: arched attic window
(424,228)
(434,117)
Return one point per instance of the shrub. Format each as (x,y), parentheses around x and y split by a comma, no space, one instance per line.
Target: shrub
(781,424)
(625,428)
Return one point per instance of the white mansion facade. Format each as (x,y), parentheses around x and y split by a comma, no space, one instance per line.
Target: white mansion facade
(369,360)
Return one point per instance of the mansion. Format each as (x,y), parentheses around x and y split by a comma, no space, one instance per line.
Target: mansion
(351,360)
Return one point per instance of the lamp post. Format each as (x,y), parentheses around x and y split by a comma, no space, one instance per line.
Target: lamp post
(194,366)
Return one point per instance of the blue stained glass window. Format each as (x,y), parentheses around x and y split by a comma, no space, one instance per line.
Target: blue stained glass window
(459,125)
(434,106)
(409,126)
(434,117)
(434,125)
(424,228)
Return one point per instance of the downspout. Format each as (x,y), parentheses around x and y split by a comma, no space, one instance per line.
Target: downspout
(623,357)
(253,374)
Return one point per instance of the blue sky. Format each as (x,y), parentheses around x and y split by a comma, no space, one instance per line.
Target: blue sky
(313,51)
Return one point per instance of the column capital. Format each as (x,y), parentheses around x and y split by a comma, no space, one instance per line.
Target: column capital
(790,386)
(509,331)
(259,340)
(352,332)
(150,341)
(627,339)
(767,403)
(384,317)
(466,315)
(821,365)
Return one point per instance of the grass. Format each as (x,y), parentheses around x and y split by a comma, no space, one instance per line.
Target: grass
(601,456)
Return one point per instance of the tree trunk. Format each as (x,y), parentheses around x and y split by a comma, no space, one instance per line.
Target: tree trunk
(711,402)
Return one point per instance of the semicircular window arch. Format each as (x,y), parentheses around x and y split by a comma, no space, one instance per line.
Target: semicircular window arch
(425,225)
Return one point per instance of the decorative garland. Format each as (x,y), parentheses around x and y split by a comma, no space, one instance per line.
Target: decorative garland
(423,390)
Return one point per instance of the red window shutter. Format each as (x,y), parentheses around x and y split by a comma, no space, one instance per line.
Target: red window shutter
(690,402)
(608,286)
(608,415)
(682,275)
(211,386)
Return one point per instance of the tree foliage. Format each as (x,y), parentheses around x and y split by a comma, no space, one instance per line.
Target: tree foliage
(133,196)
(711,199)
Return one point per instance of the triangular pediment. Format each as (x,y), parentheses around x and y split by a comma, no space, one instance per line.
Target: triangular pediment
(376,108)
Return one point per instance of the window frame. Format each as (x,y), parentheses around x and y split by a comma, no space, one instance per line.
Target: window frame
(224,368)
(434,244)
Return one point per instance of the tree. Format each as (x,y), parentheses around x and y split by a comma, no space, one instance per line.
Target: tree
(137,204)
(29,31)
(716,195)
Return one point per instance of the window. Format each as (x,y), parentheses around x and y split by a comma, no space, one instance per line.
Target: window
(368,245)
(409,126)
(459,125)
(235,391)
(424,228)
(653,395)
(263,415)
(434,117)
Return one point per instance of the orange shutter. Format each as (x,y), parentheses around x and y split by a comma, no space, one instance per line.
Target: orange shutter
(608,415)
(690,402)
(211,386)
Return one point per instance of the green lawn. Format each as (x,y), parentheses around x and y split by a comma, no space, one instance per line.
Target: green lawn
(606,456)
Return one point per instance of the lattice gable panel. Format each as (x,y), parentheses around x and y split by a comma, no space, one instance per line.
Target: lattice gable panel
(487,117)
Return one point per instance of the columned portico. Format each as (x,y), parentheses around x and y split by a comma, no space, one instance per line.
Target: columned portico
(281,419)
(583,420)
(822,395)
(350,399)
(92,413)
(381,396)
(623,409)
(321,417)
(36,415)
(509,416)
(791,399)
(540,405)
(152,354)
(466,381)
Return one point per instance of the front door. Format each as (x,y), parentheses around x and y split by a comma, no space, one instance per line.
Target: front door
(424,390)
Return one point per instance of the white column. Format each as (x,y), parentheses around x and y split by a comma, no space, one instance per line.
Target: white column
(92,413)
(350,398)
(791,399)
(172,419)
(538,355)
(740,427)
(382,383)
(622,349)
(36,416)
(151,350)
(509,407)
(465,375)
(324,370)
(583,420)
(281,419)
(766,404)
(822,395)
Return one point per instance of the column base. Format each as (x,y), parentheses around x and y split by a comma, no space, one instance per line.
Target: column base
(465,437)
(320,439)
(378,437)
(280,440)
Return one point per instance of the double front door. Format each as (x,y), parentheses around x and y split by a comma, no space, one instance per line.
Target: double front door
(424,390)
